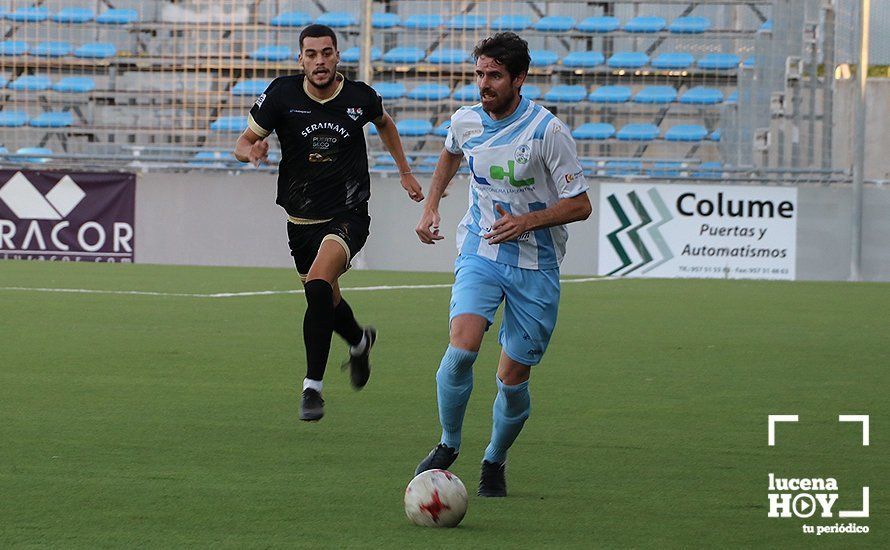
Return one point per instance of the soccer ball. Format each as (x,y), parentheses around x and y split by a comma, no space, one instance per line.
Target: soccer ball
(436,498)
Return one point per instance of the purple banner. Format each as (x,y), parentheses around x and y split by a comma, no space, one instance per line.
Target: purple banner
(67,216)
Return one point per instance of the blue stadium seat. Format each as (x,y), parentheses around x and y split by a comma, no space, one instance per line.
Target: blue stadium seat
(555,23)
(656,94)
(594,130)
(466,22)
(610,94)
(31,83)
(33,151)
(222,158)
(385,20)
(511,23)
(583,59)
(429,92)
(645,23)
(715,135)
(690,25)
(666,169)
(470,92)
(750,62)
(3,150)
(543,58)
(235,123)
(719,61)
(353,55)
(117,16)
(3,81)
(423,21)
(628,60)
(337,19)
(13,47)
(390,90)
(13,119)
(52,49)
(414,127)
(384,159)
(253,87)
(291,19)
(447,56)
(96,50)
(530,91)
(767,25)
(669,60)
(709,170)
(403,54)
(75,85)
(686,132)
(637,132)
(271,53)
(442,129)
(561,93)
(52,120)
(29,15)
(701,95)
(624,167)
(599,23)
(74,15)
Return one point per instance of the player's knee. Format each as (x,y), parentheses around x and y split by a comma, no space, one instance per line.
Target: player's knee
(467,332)
(513,374)
(319,293)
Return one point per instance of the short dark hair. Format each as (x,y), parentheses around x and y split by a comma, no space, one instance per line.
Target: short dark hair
(508,49)
(318,31)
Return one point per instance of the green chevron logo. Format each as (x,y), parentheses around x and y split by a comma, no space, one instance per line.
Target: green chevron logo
(643,252)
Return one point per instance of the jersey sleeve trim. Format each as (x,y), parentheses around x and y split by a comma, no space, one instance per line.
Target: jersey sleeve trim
(256,128)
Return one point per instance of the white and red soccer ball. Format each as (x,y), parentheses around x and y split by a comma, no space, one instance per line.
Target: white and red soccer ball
(436,498)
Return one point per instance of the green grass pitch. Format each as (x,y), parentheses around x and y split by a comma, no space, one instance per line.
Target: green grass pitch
(171,421)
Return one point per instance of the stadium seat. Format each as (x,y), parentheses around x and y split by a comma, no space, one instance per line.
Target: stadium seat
(701,95)
(3,151)
(767,25)
(291,19)
(222,158)
(733,97)
(414,127)
(337,19)
(31,83)
(709,170)
(610,94)
(3,81)
(403,54)
(628,60)
(594,130)
(385,160)
(543,58)
(423,21)
(52,120)
(562,93)
(429,92)
(715,135)
(74,15)
(229,124)
(390,90)
(555,23)
(447,56)
(690,25)
(75,85)
(466,22)
(442,129)
(96,50)
(750,62)
(686,132)
(719,61)
(624,167)
(52,49)
(583,59)
(353,55)
(28,15)
(656,94)
(470,92)
(666,169)
(271,53)
(13,47)
(637,132)
(669,60)
(385,20)
(530,91)
(511,23)
(645,23)
(117,16)
(13,119)
(27,151)
(599,23)
(253,87)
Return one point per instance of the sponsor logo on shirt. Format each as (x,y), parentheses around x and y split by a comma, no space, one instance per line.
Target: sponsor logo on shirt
(499,173)
(572,177)
(323,143)
(260,100)
(318,157)
(300,112)
(325,126)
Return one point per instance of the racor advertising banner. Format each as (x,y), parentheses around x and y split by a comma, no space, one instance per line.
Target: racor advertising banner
(707,231)
(67,216)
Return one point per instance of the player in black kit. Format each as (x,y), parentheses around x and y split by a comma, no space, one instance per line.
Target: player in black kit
(324,185)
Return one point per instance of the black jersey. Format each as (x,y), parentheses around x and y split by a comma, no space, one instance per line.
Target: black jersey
(324,158)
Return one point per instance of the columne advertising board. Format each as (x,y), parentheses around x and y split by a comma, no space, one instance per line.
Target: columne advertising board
(707,231)
(67,216)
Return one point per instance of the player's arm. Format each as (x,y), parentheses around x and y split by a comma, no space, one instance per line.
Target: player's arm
(428,228)
(251,148)
(389,135)
(509,227)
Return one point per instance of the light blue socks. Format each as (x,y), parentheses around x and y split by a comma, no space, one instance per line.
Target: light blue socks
(511,409)
(454,382)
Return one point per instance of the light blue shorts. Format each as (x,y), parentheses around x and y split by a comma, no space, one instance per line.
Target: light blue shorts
(531,299)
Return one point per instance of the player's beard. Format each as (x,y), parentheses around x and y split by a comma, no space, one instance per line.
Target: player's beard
(497,104)
(326,83)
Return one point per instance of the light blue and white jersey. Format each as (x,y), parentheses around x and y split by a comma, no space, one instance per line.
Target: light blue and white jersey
(525,162)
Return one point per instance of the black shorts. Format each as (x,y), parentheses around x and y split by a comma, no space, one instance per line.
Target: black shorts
(349,229)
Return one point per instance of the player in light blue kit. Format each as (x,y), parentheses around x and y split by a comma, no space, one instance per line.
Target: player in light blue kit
(526,185)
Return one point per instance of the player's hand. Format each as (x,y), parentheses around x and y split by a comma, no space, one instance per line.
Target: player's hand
(409,184)
(259,153)
(506,228)
(428,228)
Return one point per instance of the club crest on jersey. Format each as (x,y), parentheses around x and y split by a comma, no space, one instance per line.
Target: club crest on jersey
(354,112)
(522,154)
